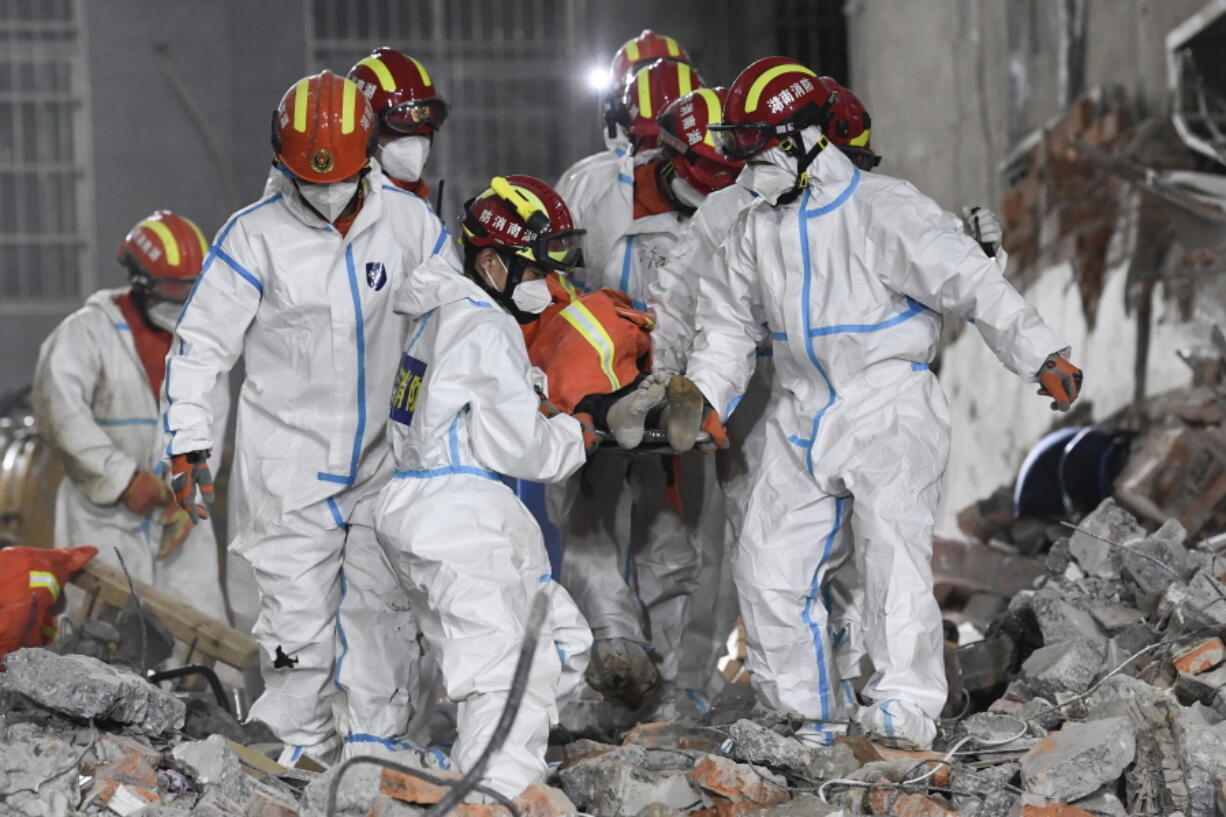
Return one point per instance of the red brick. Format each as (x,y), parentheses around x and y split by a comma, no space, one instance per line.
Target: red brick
(480,810)
(412,789)
(901,804)
(738,782)
(726,808)
(868,752)
(674,736)
(1205,655)
(539,800)
(1054,810)
(132,769)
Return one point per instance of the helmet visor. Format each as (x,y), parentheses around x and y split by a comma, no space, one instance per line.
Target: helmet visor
(560,251)
(742,140)
(174,290)
(414,118)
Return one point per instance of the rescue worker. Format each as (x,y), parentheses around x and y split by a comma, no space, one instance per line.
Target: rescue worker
(96,389)
(672,300)
(301,285)
(593,177)
(851,272)
(633,526)
(464,416)
(409,111)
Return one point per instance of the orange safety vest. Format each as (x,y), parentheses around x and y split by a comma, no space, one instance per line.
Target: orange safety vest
(588,343)
(30,583)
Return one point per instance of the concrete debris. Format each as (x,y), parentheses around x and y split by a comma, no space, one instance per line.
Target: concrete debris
(618,784)
(1096,544)
(38,775)
(1060,621)
(1065,666)
(1079,759)
(1154,562)
(84,687)
(986,791)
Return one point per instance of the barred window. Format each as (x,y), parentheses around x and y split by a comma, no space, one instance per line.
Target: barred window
(45,223)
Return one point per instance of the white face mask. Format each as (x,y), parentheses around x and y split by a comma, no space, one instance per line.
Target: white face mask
(405,157)
(532,296)
(164,314)
(329,200)
(772,173)
(686,193)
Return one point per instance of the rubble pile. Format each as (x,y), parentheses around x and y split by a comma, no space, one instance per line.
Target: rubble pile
(1100,691)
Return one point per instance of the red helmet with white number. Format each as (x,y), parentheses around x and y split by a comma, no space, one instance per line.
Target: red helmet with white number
(769,101)
(643,50)
(687,141)
(401,93)
(850,127)
(323,130)
(525,216)
(163,255)
(648,93)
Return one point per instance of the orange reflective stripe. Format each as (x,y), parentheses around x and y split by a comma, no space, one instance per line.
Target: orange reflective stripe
(586,324)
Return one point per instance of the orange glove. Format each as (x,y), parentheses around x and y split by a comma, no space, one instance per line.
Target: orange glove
(1061,381)
(176,526)
(145,494)
(591,437)
(713,427)
(189,473)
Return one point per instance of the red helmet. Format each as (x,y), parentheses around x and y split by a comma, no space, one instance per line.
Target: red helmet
(526,216)
(643,49)
(163,255)
(649,92)
(850,127)
(400,92)
(324,129)
(689,144)
(770,100)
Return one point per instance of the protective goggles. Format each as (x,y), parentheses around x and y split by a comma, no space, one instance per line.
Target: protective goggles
(863,158)
(744,140)
(415,117)
(558,251)
(174,290)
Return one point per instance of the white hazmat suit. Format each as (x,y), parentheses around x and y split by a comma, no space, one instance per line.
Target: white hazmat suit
(464,416)
(311,312)
(97,411)
(852,279)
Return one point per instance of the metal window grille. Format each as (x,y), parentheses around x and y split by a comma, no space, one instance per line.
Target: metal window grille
(508,71)
(45,178)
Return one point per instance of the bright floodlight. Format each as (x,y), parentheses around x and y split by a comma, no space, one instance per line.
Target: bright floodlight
(598,78)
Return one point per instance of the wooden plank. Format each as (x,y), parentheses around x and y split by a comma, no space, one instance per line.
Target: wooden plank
(185,622)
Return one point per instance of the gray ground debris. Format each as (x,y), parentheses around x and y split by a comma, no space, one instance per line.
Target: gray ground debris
(1166,563)
(1079,759)
(212,763)
(803,805)
(992,798)
(990,729)
(84,687)
(1060,621)
(1103,803)
(618,784)
(1204,761)
(38,776)
(1063,666)
(1108,521)
(1115,617)
(1200,604)
(357,793)
(753,743)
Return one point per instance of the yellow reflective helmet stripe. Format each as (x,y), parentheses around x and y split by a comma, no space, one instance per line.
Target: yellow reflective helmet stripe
(421,69)
(381,73)
(673,49)
(644,87)
(759,84)
(715,113)
(301,91)
(580,317)
(685,79)
(525,202)
(204,244)
(169,245)
(632,51)
(41,578)
(861,140)
(348,97)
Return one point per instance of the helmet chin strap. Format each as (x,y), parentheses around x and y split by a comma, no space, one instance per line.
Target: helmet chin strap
(803,160)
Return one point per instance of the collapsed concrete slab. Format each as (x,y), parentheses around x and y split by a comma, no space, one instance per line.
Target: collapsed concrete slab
(1079,759)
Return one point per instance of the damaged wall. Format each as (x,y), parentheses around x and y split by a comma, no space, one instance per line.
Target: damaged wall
(1011,88)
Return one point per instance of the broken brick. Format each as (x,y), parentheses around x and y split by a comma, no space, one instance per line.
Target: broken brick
(411,789)
(124,799)
(1204,656)
(739,782)
(901,804)
(670,735)
(1054,810)
(539,800)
